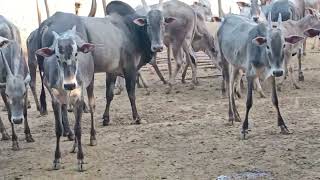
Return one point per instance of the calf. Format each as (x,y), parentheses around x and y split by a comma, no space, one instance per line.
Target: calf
(14,76)
(14,81)
(68,70)
(258,49)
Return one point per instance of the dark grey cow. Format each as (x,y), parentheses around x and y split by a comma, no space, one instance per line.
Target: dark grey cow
(68,71)
(289,9)
(257,50)
(14,78)
(252,11)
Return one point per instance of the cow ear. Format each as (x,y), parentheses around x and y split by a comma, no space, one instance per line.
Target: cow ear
(169,20)
(242,4)
(311,32)
(216,19)
(140,21)
(293,39)
(45,52)
(310,11)
(4,43)
(86,47)
(259,40)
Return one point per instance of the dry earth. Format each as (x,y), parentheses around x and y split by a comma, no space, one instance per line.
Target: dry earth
(185,136)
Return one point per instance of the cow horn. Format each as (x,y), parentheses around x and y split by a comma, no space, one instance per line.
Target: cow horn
(279,20)
(160,4)
(38,13)
(104,4)
(145,5)
(269,21)
(93,9)
(6,64)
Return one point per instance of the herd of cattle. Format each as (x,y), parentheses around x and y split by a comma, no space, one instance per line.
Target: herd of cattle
(69,50)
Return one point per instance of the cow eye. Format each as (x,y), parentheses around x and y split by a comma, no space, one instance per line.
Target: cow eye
(76,54)
(268,47)
(284,45)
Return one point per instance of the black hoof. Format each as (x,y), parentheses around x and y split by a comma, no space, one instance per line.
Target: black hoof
(284,130)
(244,134)
(301,77)
(56,164)
(15,146)
(105,121)
(29,138)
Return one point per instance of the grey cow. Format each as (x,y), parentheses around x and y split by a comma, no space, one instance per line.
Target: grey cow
(68,71)
(257,50)
(14,78)
(178,36)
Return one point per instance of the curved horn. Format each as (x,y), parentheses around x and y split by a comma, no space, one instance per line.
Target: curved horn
(38,12)
(279,20)
(6,63)
(145,5)
(47,8)
(269,20)
(93,9)
(160,4)
(104,4)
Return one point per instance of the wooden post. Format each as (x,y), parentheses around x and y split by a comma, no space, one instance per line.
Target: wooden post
(47,8)
(104,4)
(220,8)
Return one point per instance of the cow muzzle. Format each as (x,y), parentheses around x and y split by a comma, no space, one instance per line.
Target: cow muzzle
(17,120)
(69,86)
(277,73)
(157,48)
(255,18)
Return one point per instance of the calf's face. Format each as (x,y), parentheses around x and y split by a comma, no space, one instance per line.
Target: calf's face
(155,24)
(66,49)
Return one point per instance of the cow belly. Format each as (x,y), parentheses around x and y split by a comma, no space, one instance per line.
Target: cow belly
(107,62)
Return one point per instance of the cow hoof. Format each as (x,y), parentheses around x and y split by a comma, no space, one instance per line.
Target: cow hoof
(43,113)
(136,122)
(296,86)
(164,82)
(56,164)
(70,110)
(284,130)
(5,136)
(29,138)
(183,81)
(262,95)
(105,121)
(93,141)
(117,91)
(81,166)
(244,135)
(70,136)
(301,77)
(168,91)
(15,146)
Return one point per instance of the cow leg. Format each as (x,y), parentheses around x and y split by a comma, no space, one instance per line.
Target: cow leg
(32,84)
(281,124)
(59,131)
(233,112)
(26,125)
(77,130)
(291,76)
(110,82)
(156,68)
(245,125)
(43,101)
(259,88)
(130,85)
(191,59)
(15,145)
(238,85)
(119,85)
(144,83)
(169,50)
(225,76)
(301,76)
(92,106)
(177,53)
(184,73)
(65,122)
(5,135)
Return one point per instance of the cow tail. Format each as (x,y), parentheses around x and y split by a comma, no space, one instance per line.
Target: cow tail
(40,60)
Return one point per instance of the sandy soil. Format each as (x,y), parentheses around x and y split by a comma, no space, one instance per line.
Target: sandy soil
(185,136)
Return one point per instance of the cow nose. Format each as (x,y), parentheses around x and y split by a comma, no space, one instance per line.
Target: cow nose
(157,48)
(69,87)
(277,73)
(255,19)
(17,120)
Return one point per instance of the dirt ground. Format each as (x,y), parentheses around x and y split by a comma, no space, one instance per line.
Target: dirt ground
(185,135)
